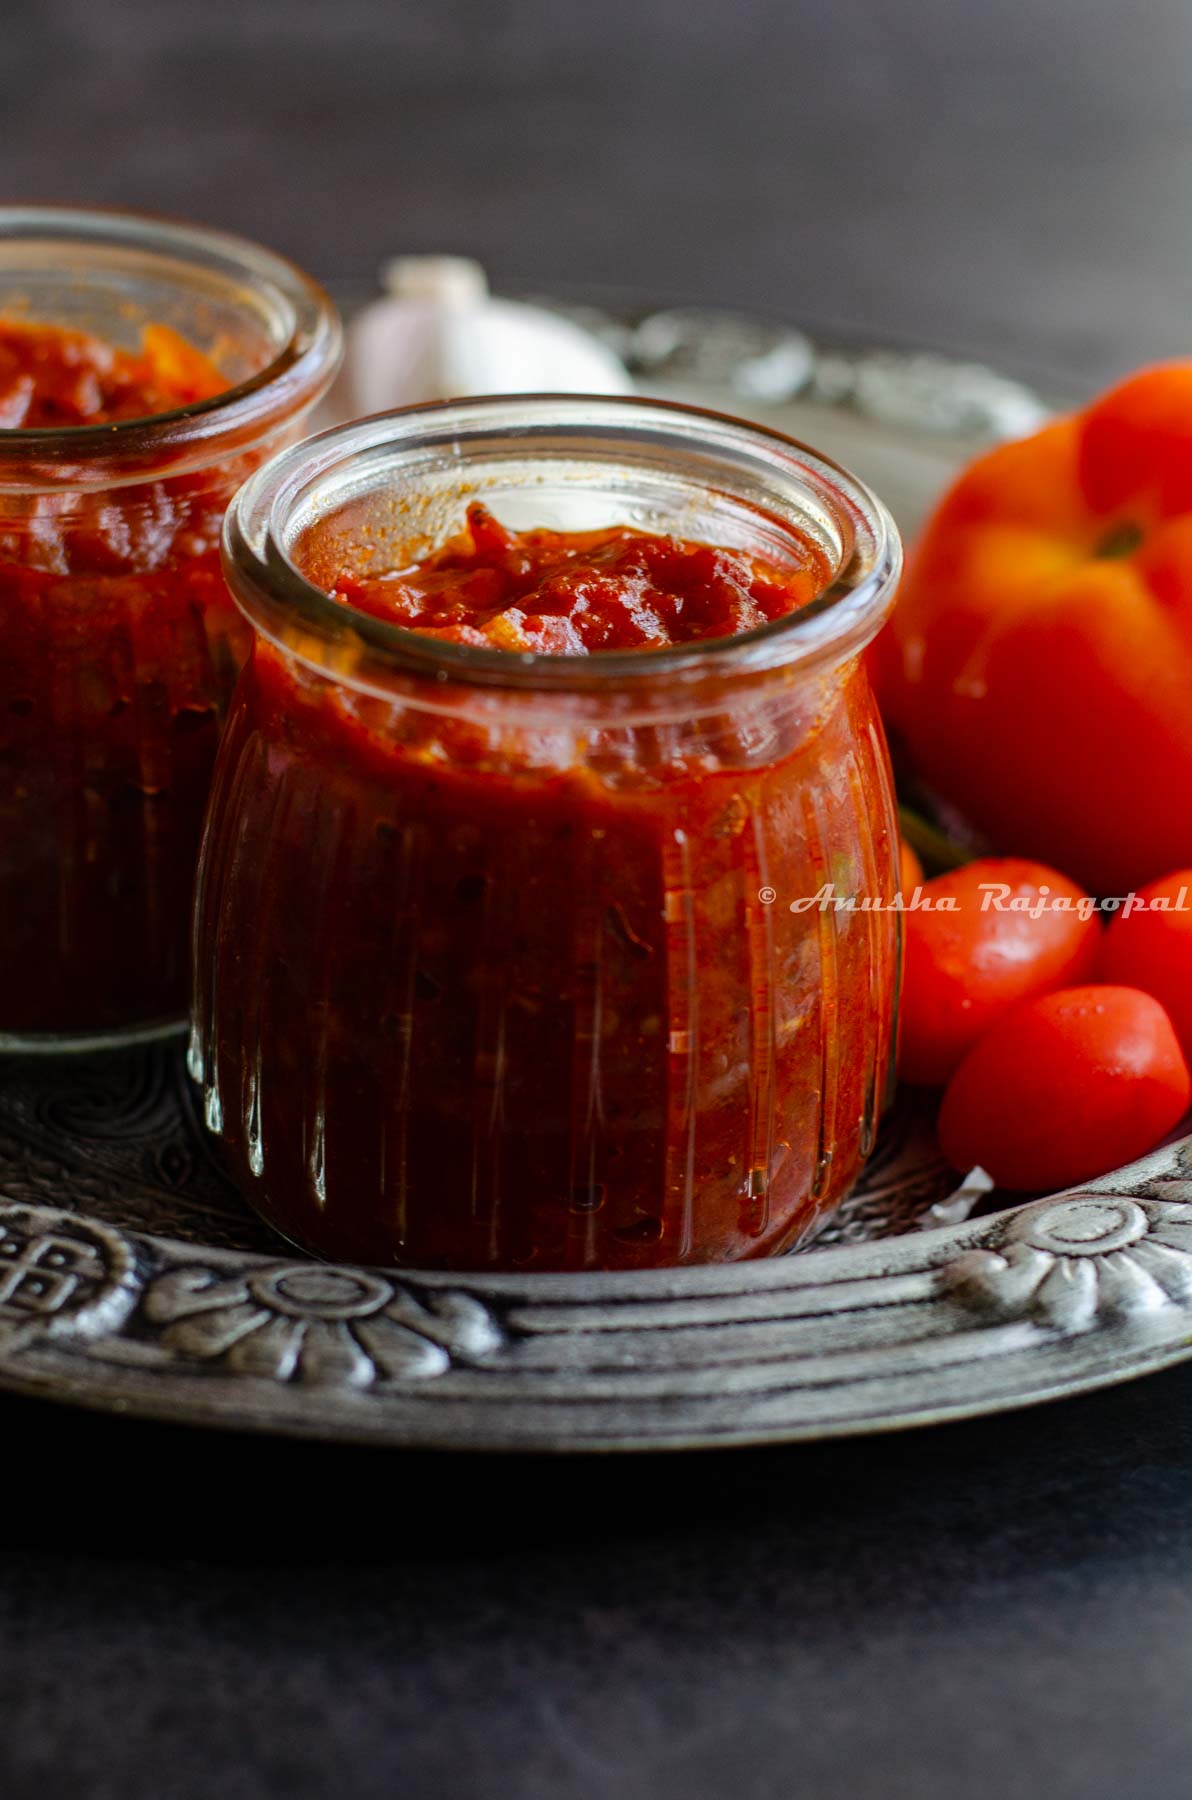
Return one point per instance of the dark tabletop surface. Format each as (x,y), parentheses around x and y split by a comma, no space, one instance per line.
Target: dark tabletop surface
(998,1609)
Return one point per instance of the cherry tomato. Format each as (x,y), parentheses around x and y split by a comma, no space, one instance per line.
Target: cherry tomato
(1018,929)
(1066,1087)
(1151,949)
(910,870)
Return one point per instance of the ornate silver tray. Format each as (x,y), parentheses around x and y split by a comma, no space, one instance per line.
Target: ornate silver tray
(133,1279)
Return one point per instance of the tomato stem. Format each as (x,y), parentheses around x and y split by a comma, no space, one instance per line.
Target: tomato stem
(1120,540)
(937,850)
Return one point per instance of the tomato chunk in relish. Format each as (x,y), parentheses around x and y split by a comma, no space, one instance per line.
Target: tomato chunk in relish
(576,592)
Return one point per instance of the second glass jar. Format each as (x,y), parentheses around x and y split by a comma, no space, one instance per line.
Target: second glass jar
(120,645)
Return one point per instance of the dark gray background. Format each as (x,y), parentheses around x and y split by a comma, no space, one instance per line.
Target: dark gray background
(998,1611)
(1009,175)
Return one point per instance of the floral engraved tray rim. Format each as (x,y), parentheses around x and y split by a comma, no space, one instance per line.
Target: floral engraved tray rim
(902,1327)
(133,1280)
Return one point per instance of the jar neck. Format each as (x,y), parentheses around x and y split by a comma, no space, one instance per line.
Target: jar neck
(269,328)
(386,489)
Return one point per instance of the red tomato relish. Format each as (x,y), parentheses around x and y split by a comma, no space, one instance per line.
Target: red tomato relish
(51,377)
(119,646)
(573,593)
(512,995)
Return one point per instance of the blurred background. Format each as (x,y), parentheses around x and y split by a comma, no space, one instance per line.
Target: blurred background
(1012,180)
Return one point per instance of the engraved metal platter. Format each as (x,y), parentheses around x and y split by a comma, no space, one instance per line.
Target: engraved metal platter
(133,1279)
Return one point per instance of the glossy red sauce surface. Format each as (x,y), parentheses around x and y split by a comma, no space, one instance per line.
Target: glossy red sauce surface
(531,995)
(119,647)
(573,593)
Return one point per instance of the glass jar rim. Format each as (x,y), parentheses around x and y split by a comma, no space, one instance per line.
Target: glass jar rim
(296,376)
(304,620)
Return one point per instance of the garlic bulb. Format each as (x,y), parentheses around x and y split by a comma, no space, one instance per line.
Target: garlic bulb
(440,335)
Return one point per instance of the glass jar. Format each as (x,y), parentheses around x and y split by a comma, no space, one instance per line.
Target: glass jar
(119,646)
(524,961)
